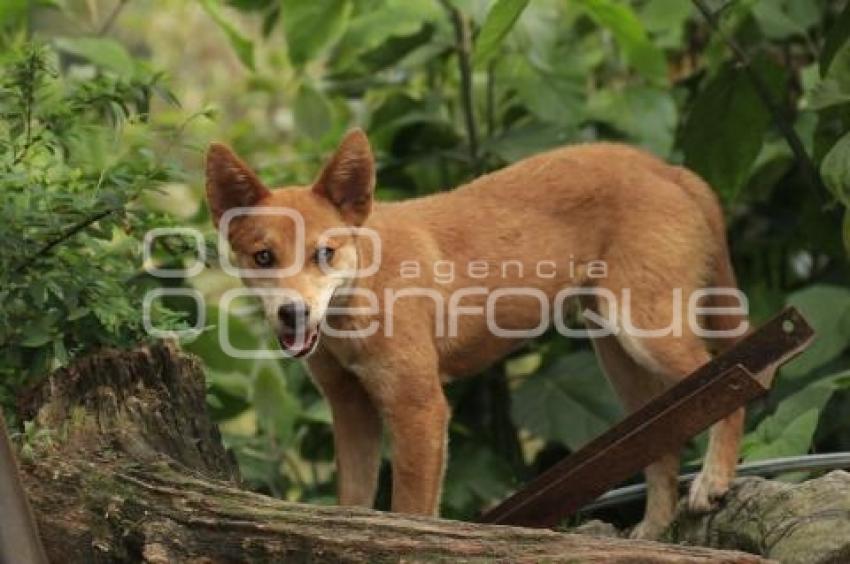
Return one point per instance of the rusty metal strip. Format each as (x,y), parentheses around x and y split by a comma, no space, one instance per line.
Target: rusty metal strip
(715,390)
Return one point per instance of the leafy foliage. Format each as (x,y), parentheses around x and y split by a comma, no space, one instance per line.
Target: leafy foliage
(723,151)
(291,76)
(68,179)
(564,401)
(500,19)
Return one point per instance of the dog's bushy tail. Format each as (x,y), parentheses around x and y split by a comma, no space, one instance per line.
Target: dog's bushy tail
(733,318)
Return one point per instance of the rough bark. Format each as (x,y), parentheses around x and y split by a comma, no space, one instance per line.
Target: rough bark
(133,470)
(805,523)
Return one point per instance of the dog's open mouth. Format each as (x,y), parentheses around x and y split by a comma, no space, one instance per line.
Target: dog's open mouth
(297,345)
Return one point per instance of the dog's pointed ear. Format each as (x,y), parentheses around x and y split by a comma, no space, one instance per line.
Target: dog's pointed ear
(348,179)
(230,183)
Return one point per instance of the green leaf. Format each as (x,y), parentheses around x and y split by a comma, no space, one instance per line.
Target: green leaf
(394,50)
(628,31)
(235,384)
(500,19)
(827,93)
(242,46)
(787,433)
(647,115)
(568,401)
(60,353)
(313,112)
(827,309)
(312,26)
(834,88)
(318,412)
(777,23)
(790,429)
(526,140)
(100,51)
(77,313)
(723,150)
(250,5)
(36,339)
(276,408)
(556,99)
(13,12)
(835,170)
(242,335)
(665,21)
(374,30)
(475,476)
(836,38)
(228,393)
(846,231)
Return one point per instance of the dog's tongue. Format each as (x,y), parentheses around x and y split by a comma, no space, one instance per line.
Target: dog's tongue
(298,344)
(288,341)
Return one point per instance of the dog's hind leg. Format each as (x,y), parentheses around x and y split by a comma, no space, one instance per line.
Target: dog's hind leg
(674,358)
(668,356)
(635,386)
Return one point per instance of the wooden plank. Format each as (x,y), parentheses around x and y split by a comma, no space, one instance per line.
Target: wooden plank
(715,390)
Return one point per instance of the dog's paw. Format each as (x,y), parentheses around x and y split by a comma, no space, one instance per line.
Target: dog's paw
(707,491)
(648,530)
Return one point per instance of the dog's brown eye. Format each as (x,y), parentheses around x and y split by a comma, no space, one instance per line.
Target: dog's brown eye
(324,255)
(264,258)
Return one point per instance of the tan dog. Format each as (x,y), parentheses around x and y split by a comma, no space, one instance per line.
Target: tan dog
(600,219)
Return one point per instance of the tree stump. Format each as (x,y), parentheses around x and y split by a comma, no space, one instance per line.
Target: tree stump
(132,469)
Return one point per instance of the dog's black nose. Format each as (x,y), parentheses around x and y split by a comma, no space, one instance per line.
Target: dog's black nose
(293,315)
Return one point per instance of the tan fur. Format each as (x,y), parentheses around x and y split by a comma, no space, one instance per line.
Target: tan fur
(656,226)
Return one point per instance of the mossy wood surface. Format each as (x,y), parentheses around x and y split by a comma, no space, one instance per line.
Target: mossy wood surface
(132,469)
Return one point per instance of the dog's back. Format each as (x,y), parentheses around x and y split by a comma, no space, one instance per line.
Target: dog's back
(575,205)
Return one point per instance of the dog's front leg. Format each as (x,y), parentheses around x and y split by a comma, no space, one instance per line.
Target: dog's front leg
(356,428)
(417,415)
(419,434)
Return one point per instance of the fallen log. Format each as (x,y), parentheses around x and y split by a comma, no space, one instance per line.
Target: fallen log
(130,468)
(793,523)
(804,523)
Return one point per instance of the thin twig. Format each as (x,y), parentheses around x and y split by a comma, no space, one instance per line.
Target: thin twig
(113,15)
(29,101)
(64,236)
(491,100)
(463,46)
(805,162)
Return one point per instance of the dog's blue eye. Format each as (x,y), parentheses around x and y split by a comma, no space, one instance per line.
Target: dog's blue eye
(324,255)
(264,258)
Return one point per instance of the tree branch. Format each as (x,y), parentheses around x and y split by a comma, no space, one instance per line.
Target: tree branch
(113,15)
(64,236)
(809,170)
(463,46)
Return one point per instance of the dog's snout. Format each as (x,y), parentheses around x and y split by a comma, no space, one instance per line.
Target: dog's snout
(293,315)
